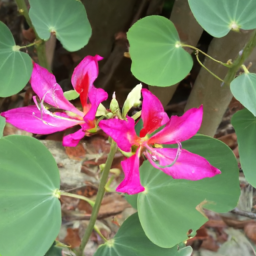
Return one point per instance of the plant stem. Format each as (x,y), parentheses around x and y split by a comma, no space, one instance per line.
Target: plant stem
(197,57)
(40,48)
(251,44)
(198,50)
(32,44)
(100,234)
(63,193)
(99,198)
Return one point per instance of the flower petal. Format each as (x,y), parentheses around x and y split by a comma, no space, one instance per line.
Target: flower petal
(84,75)
(189,166)
(73,139)
(179,129)
(96,96)
(45,86)
(152,113)
(121,131)
(131,183)
(32,120)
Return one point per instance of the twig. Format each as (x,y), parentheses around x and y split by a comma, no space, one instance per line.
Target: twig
(250,215)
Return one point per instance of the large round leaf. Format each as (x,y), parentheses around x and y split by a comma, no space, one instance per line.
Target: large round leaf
(15,66)
(131,240)
(218,17)
(30,213)
(67,19)
(167,208)
(245,126)
(244,89)
(157,57)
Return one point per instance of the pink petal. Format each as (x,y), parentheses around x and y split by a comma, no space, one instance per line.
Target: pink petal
(152,113)
(73,139)
(131,183)
(84,75)
(121,131)
(189,166)
(179,129)
(96,96)
(29,119)
(45,86)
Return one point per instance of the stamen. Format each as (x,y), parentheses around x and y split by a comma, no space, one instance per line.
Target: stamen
(154,158)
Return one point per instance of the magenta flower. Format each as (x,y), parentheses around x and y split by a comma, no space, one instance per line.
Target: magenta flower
(178,163)
(38,119)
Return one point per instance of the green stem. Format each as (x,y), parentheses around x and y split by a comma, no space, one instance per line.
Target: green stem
(198,50)
(100,234)
(99,198)
(32,44)
(63,193)
(22,8)
(246,71)
(197,57)
(241,59)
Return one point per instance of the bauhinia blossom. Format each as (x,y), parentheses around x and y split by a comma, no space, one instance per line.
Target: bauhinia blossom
(178,163)
(38,119)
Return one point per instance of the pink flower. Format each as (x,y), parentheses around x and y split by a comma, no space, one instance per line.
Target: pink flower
(38,119)
(178,163)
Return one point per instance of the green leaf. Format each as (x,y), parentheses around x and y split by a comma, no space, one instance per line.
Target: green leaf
(139,126)
(15,66)
(54,251)
(244,89)
(71,95)
(2,125)
(167,208)
(133,99)
(131,240)
(67,19)
(157,58)
(30,213)
(132,200)
(220,16)
(245,126)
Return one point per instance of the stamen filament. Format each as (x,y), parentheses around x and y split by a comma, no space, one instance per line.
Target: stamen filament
(174,161)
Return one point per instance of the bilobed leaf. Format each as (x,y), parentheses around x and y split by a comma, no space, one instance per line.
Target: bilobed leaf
(244,123)
(218,17)
(30,213)
(131,240)
(157,57)
(167,207)
(15,66)
(67,19)
(244,89)
(2,124)
(54,251)
(71,95)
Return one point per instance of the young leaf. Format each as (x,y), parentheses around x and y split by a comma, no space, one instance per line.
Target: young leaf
(218,17)
(169,208)
(244,89)
(157,57)
(133,98)
(67,19)
(15,66)
(71,95)
(2,124)
(131,240)
(244,123)
(30,212)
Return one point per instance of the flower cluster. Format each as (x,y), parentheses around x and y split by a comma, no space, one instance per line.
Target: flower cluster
(39,119)
(158,129)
